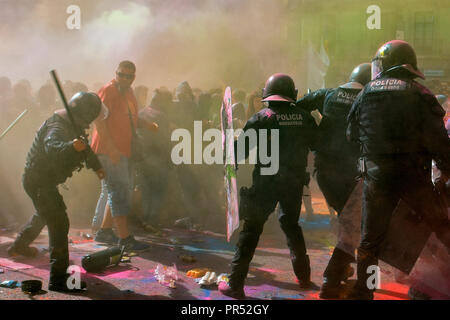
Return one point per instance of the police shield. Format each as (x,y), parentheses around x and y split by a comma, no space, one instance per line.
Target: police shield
(404,241)
(229,164)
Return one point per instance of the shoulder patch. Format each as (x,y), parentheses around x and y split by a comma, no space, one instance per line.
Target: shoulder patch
(345,96)
(388,84)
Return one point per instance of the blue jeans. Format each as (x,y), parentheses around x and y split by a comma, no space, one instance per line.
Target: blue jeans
(100,208)
(119,185)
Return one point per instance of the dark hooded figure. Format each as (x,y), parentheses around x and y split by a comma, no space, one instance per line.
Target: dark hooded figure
(46,98)
(22,98)
(184,106)
(216,103)
(238,115)
(152,175)
(203,112)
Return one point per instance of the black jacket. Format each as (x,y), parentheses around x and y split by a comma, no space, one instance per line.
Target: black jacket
(297,134)
(52,158)
(398,118)
(334,105)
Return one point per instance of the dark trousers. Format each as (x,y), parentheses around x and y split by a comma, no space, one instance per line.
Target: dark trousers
(384,186)
(30,231)
(257,204)
(50,211)
(336,179)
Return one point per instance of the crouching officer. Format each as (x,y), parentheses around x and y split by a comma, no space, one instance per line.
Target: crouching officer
(55,153)
(296,133)
(399,126)
(335,162)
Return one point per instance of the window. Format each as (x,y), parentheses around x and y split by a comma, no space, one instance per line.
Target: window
(423,32)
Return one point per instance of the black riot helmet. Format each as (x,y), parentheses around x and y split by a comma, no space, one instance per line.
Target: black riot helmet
(85,107)
(395,55)
(280,87)
(361,74)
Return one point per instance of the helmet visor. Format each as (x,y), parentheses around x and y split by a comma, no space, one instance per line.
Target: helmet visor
(377,67)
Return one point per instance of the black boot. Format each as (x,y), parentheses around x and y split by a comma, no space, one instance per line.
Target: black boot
(302,270)
(236,292)
(25,251)
(59,284)
(26,236)
(338,269)
(245,249)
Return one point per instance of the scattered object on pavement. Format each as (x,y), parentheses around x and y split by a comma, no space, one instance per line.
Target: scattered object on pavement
(197,272)
(86,236)
(31,286)
(98,261)
(174,241)
(131,254)
(125,260)
(185,223)
(187,258)
(2,271)
(208,279)
(81,237)
(11,284)
(172,284)
(126,256)
(166,275)
(223,277)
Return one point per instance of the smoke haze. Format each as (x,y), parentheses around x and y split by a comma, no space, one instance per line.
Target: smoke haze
(206,42)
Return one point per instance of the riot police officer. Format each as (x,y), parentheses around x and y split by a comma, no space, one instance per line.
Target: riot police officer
(297,130)
(56,152)
(398,124)
(335,161)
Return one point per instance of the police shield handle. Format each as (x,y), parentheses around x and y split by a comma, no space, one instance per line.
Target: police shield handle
(79,145)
